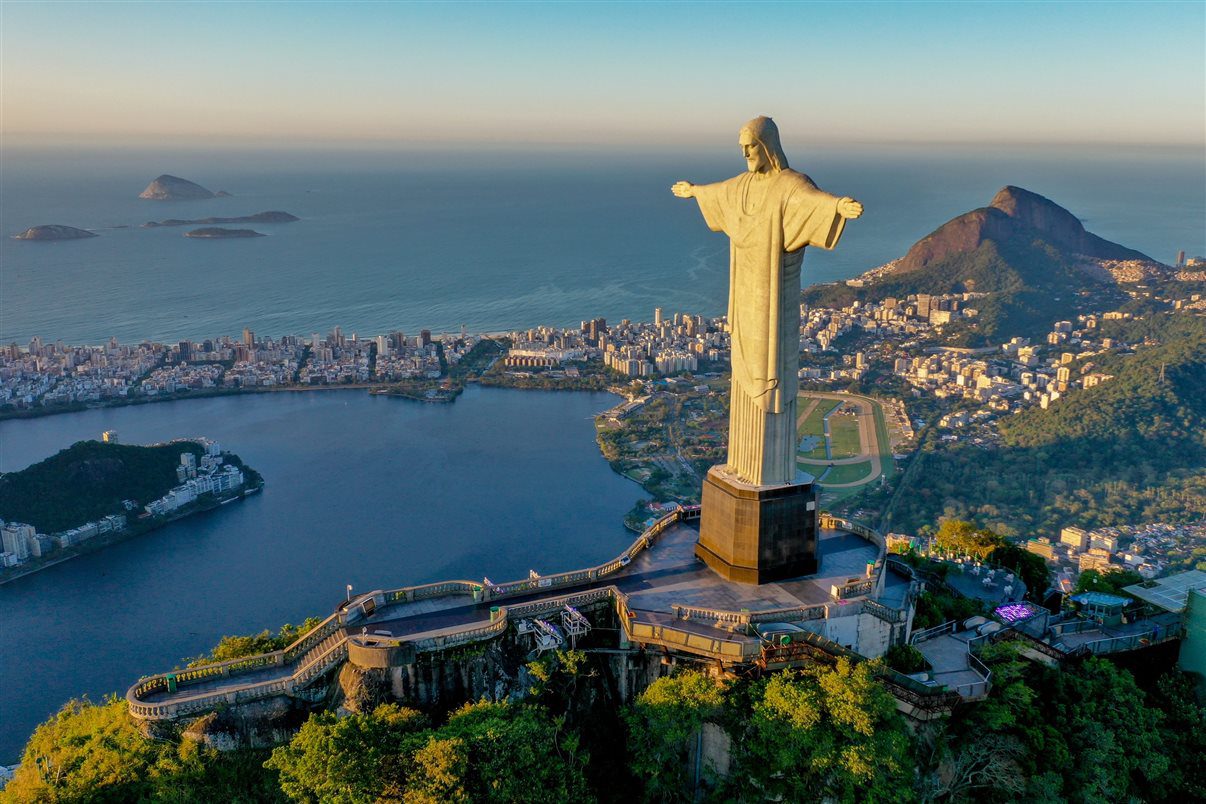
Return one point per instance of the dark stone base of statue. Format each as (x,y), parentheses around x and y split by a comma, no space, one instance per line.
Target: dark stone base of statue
(757,534)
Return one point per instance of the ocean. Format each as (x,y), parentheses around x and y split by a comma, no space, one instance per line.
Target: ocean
(493,240)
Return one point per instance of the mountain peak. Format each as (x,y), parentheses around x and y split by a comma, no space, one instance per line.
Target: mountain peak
(1014,213)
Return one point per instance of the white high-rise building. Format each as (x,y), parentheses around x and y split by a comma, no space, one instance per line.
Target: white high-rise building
(16,539)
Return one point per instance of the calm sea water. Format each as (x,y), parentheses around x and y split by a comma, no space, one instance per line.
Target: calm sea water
(374,492)
(416,240)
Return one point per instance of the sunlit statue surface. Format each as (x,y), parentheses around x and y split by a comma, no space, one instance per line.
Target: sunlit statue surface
(759,522)
(770,213)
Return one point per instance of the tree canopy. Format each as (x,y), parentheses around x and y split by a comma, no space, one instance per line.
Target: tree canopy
(94,753)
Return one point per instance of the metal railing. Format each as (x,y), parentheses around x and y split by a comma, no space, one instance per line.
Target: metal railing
(929,633)
(882,612)
(745,618)
(321,656)
(829,521)
(1134,641)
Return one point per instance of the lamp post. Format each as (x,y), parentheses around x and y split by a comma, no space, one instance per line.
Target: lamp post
(349,593)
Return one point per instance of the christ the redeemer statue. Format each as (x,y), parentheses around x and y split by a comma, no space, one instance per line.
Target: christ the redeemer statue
(770,213)
(752,507)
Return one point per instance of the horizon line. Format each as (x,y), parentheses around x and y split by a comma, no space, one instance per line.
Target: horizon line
(48,141)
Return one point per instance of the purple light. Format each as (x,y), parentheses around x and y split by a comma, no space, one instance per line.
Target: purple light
(1014,612)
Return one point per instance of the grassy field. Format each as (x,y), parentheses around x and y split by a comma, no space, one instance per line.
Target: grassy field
(849,473)
(843,436)
(814,425)
(845,442)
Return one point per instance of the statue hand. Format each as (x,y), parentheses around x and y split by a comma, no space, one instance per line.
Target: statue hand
(849,208)
(683,189)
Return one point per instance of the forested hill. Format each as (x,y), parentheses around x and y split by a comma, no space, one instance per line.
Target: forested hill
(1131,449)
(1024,249)
(1137,404)
(89,480)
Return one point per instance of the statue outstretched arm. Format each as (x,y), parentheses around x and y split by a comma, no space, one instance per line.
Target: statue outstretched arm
(683,189)
(710,198)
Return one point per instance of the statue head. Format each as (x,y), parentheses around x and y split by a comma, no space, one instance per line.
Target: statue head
(759,140)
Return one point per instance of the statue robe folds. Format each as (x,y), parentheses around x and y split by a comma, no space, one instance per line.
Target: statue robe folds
(769,219)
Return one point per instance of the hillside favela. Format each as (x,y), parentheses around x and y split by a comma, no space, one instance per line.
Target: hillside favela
(742,402)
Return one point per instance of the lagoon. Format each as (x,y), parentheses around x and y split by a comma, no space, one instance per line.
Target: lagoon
(372,491)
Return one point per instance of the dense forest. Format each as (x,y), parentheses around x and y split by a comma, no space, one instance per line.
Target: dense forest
(1128,450)
(89,480)
(1087,733)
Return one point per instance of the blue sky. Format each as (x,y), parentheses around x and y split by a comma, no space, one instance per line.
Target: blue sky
(640,75)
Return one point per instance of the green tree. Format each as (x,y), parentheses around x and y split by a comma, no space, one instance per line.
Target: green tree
(1031,568)
(1113,736)
(905,659)
(960,536)
(236,647)
(1183,734)
(499,752)
(1111,582)
(824,733)
(359,758)
(938,607)
(94,753)
(662,724)
(86,752)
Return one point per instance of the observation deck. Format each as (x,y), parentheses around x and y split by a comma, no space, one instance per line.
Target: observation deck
(665,598)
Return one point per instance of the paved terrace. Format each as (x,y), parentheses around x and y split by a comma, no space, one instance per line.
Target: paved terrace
(654,582)
(949,653)
(1086,636)
(664,594)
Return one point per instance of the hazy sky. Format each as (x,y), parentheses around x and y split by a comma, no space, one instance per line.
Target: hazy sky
(639,74)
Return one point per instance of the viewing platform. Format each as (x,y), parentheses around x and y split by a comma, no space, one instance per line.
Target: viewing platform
(665,599)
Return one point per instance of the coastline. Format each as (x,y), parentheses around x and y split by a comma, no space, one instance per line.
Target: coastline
(375,389)
(98,543)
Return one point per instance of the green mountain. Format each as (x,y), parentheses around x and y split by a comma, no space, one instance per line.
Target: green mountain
(1129,450)
(1032,255)
(1157,396)
(87,481)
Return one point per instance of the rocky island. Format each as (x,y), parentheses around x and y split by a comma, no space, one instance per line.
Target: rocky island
(274,216)
(53,232)
(218,233)
(174,188)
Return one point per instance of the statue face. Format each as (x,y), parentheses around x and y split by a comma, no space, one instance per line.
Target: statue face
(756,160)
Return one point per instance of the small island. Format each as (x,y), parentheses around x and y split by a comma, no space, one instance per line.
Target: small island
(274,216)
(94,494)
(54,231)
(174,188)
(218,233)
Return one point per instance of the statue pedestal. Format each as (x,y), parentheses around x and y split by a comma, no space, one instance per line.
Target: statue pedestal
(757,534)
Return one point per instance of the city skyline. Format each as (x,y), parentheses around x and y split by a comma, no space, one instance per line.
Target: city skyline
(599,74)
